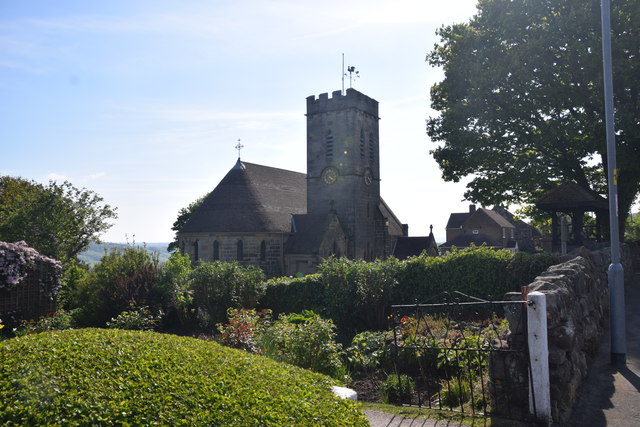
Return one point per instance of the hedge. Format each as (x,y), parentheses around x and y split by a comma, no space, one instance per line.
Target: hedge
(116,377)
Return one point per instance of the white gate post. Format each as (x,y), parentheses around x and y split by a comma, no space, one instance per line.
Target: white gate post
(539,357)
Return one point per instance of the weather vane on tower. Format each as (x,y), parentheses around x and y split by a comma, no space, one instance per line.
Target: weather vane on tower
(239,147)
(353,74)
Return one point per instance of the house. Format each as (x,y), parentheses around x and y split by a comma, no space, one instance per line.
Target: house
(479,226)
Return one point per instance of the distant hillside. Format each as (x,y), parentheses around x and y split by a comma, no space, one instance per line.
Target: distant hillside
(96,251)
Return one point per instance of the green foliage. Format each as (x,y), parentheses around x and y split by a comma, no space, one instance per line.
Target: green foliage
(183,216)
(135,319)
(397,388)
(122,278)
(455,393)
(524,267)
(245,329)
(520,106)
(217,286)
(305,340)
(632,230)
(105,377)
(368,351)
(58,220)
(293,294)
(55,321)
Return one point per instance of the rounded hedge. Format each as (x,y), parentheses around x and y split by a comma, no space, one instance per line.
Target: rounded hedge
(104,377)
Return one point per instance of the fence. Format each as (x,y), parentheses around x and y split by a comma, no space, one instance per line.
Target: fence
(454,355)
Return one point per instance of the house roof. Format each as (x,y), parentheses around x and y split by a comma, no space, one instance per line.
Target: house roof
(496,217)
(411,246)
(457,219)
(570,195)
(465,240)
(251,198)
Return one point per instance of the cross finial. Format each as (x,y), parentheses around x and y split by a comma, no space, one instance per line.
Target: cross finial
(239,147)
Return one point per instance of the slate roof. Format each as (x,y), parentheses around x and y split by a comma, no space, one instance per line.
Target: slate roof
(570,195)
(457,219)
(496,217)
(411,246)
(465,240)
(309,230)
(251,198)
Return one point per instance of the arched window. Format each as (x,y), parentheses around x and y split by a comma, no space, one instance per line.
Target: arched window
(196,255)
(263,251)
(240,248)
(329,145)
(335,249)
(216,250)
(362,149)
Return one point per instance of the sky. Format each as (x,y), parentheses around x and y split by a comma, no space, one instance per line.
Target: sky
(143,102)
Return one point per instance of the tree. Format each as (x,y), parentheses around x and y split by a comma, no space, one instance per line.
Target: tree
(183,216)
(521,106)
(58,220)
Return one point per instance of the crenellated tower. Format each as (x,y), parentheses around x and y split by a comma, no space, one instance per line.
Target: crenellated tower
(343,167)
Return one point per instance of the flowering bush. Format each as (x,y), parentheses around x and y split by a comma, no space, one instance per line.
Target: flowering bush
(17,260)
(244,329)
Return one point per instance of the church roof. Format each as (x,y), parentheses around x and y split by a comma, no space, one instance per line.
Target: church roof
(251,198)
(308,233)
(413,246)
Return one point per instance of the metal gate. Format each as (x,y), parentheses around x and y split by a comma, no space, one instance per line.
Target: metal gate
(459,354)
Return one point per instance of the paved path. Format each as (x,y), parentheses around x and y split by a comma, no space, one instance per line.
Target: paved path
(381,419)
(611,397)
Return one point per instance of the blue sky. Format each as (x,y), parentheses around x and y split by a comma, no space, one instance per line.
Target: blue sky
(144,101)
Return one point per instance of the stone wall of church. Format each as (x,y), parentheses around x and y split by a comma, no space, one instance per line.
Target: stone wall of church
(264,250)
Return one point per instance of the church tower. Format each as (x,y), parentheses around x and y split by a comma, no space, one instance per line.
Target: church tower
(343,168)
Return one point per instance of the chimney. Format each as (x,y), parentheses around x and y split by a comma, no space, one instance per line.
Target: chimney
(472,208)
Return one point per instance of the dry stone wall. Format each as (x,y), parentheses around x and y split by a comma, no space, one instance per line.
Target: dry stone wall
(577,313)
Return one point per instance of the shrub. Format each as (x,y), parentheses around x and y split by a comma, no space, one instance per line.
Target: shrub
(117,377)
(54,321)
(368,351)
(244,329)
(136,318)
(123,277)
(217,286)
(293,294)
(305,340)
(397,388)
(525,267)
(455,393)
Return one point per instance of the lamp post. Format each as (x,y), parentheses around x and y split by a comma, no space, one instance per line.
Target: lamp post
(615,273)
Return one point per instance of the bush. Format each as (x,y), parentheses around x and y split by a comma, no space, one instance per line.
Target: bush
(108,376)
(123,277)
(55,321)
(455,393)
(136,318)
(305,340)
(368,351)
(217,286)
(397,389)
(244,329)
(293,294)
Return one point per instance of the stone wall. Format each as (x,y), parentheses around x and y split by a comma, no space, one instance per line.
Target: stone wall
(577,313)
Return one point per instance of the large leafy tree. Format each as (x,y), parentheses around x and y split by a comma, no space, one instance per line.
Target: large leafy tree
(521,105)
(58,220)
(183,216)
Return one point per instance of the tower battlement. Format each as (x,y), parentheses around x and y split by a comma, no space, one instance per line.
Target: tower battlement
(337,102)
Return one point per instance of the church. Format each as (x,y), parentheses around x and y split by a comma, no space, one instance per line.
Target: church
(286,222)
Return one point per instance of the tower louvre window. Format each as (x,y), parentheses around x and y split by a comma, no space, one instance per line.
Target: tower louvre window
(371,150)
(263,251)
(329,145)
(362,149)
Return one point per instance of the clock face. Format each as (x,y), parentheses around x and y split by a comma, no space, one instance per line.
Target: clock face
(368,177)
(329,175)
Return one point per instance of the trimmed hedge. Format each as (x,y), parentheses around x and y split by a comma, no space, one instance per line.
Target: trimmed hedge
(357,294)
(97,376)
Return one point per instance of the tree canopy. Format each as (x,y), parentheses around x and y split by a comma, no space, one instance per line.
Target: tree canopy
(58,220)
(183,216)
(521,105)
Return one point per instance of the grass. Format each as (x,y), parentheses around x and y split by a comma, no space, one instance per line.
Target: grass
(117,377)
